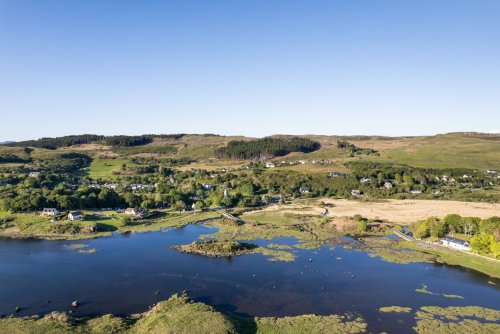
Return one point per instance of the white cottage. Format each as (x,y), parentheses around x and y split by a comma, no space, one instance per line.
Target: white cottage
(75,215)
(50,212)
(456,243)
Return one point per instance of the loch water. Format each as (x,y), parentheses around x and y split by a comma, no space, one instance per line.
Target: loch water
(129,272)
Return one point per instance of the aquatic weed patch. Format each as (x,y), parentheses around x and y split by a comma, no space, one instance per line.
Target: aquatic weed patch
(469,319)
(388,250)
(396,309)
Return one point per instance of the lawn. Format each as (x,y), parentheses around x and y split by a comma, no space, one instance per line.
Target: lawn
(104,168)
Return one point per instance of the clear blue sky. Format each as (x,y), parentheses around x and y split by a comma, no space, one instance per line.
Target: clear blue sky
(251,67)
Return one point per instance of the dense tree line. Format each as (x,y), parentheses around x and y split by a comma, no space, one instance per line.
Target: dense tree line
(128,140)
(372,169)
(66,141)
(9,158)
(266,148)
(53,143)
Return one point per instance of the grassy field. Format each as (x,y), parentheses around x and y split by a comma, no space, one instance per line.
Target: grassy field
(104,168)
(455,258)
(442,151)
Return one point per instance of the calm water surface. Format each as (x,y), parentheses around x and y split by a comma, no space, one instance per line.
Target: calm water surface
(129,272)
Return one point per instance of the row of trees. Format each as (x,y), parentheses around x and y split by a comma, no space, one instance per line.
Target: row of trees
(266,148)
(66,141)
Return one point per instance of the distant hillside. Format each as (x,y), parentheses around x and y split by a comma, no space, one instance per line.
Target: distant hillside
(454,150)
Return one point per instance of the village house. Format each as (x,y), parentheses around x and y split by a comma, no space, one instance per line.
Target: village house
(75,215)
(34,174)
(135,186)
(207,186)
(303,162)
(388,185)
(493,171)
(456,243)
(334,174)
(416,191)
(355,192)
(50,212)
(270,165)
(364,180)
(304,190)
(134,212)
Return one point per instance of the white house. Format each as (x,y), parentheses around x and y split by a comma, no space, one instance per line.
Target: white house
(355,192)
(207,186)
(456,243)
(304,190)
(388,185)
(50,212)
(133,212)
(416,191)
(493,171)
(364,180)
(34,174)
(75,215)
(270,165)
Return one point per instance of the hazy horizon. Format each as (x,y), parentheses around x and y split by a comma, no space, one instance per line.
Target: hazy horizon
(252,68)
